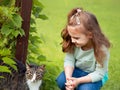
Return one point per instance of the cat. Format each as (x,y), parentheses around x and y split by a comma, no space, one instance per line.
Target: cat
(34,76)
(28,77)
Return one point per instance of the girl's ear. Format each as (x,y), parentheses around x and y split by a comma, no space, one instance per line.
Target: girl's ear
(27,66)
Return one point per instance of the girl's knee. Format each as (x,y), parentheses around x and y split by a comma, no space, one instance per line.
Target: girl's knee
(61,81)
(60,84)
(89,86)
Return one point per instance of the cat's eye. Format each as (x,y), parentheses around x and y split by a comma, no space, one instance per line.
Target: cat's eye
(37,72)
(29,72)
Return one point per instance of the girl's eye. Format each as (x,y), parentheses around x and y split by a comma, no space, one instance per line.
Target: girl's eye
(76,38)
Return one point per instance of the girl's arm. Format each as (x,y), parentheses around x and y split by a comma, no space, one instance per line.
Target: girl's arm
(100,71)
(85,79)
(69,62)
(68,71)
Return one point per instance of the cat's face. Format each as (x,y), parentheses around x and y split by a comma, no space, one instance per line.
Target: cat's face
(34,73)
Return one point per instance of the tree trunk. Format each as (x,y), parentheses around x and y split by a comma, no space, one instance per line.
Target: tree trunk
(22,42)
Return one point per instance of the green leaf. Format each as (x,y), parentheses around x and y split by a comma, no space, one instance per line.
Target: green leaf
(5,30)
(33,29)
(13,66)
(3,42)
(10,23)
(38,3)
(17,20)
(33,49)
(4,10)
(21,32)
(10,62)
(36,11)
(7,2)
(12,2)
(35,39)
(41,58)
(43,17)
(5,52)
(6,13)
(1,77)
(15,33)
(32,21)
(4,69)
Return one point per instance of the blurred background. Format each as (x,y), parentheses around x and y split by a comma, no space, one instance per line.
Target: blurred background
(108,15)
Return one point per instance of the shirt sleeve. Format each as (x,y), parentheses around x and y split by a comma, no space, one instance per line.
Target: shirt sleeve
(100,71)
(69,60)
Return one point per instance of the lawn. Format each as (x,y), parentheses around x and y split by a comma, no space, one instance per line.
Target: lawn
(108,15)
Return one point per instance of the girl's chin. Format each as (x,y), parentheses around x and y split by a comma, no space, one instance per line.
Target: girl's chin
(77,45)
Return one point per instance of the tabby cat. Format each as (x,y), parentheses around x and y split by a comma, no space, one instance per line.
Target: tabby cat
(34,76)
(28,77)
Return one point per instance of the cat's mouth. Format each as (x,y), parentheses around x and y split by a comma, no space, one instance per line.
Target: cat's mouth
(34,81)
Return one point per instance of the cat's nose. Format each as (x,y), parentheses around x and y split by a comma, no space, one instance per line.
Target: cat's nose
(33,78)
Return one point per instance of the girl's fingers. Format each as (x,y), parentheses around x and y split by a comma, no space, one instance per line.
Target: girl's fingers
(68,82)
(73,85)
(69,85)
(69,88)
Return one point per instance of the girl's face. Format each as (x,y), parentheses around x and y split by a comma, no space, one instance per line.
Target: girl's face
(79,36)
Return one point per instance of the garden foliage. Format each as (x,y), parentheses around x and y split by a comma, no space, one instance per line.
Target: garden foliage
(10,28)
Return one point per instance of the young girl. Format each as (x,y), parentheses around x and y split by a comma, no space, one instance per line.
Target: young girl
(87,55)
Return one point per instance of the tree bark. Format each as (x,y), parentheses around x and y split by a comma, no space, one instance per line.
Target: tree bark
(22,42)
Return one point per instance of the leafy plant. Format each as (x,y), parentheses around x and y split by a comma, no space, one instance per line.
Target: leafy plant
(10,28)
(34,53)
(7,3)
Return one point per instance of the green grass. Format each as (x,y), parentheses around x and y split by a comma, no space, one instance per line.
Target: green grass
(108,15)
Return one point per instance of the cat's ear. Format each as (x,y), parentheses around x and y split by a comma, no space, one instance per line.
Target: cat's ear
(42,66)
(27,66)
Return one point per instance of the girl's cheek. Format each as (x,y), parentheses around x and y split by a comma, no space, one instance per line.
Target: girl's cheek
(79,41)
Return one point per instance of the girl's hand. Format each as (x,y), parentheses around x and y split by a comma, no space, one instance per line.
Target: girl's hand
(75,81)
(69,84)
(69,88)
(72,83)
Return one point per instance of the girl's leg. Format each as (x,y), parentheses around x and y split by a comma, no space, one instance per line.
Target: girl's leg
(86,86)
(61,81)
(90,86)
(78,73)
